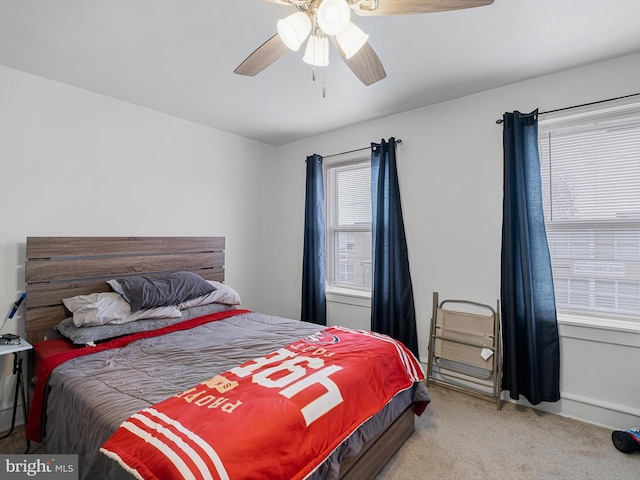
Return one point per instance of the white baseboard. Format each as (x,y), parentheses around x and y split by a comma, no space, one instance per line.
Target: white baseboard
(591,410)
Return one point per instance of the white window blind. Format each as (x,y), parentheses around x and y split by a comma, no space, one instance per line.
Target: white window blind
(590,167)
(348,223)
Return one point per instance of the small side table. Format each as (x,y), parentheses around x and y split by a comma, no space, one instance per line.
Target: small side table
(20,387)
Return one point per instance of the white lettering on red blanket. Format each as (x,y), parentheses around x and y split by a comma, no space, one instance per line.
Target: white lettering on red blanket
(294,374)
(277,416)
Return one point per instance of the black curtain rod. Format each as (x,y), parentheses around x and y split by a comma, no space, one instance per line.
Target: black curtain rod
(356,150)
(499,121)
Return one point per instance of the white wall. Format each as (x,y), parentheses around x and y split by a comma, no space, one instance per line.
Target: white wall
(450,169)
(77,163)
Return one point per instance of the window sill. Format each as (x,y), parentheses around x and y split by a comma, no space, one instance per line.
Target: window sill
(349,296)
(599,323)
(601,330)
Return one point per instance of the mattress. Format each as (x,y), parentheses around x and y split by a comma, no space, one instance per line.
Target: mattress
(88,397)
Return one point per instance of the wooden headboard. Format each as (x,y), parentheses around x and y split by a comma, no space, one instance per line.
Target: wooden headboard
(63,267)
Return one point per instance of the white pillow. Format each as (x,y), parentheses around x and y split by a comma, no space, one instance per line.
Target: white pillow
(222,294)
(109,308)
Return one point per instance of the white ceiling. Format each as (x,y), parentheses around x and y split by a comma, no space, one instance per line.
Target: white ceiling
(178,56)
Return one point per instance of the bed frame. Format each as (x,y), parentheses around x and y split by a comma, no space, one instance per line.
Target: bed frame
(63,267)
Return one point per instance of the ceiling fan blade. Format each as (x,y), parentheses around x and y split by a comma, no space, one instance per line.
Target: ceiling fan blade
(262,57)
(412,7)
(365,64)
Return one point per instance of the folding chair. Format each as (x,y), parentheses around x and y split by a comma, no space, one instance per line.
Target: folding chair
(465,348)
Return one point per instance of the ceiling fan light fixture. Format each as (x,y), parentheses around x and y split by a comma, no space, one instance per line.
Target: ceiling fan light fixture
(351,40)
(317,52)
(333,16)
(294,29)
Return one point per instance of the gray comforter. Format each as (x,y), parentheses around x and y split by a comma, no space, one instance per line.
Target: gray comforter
(90,396)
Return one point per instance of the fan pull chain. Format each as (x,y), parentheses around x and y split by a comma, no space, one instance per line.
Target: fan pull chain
(314,77)
(324,83)
(324,71)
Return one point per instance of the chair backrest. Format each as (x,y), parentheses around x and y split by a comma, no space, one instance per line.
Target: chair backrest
(464,335)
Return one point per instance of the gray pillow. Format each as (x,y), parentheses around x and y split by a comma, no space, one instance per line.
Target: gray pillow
(100,333)
(170,289)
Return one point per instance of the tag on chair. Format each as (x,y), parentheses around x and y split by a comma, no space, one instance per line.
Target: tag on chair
(486,353)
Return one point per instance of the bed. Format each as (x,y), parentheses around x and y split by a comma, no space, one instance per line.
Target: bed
(84,401)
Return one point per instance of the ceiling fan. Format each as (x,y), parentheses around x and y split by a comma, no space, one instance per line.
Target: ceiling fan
(321,20)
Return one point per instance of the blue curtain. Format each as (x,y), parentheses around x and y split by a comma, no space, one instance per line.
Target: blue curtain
(392,307)
(314,305)
(529,323)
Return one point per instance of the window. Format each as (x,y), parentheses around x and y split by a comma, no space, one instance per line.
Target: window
(346,273)
(348,222)
(590,166)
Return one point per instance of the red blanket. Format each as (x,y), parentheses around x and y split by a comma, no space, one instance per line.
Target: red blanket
(33,428)
(276,417)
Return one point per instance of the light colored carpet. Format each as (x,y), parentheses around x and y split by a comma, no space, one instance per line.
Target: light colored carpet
(463,437)
(16,443)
